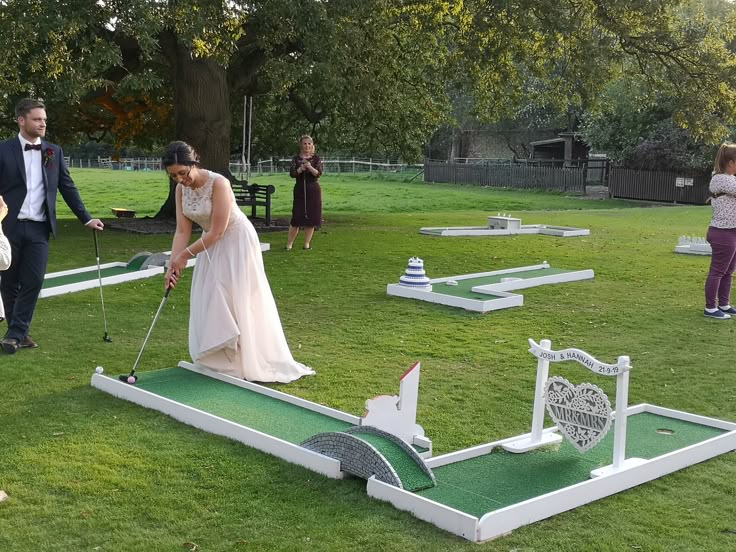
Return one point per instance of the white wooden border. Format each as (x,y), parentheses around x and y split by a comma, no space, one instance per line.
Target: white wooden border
(686,250)
(444,517)
(563,231)
(524,283)
(543,229)
(541,266)
(505,520)
(503,301)
(424,442)
(219,426)
(478,450)
(273,393)
(94,282)
(685,416)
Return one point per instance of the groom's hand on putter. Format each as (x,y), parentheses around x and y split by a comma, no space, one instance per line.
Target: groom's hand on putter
(95,224)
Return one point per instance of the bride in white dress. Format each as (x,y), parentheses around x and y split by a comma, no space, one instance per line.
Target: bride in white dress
(234,326)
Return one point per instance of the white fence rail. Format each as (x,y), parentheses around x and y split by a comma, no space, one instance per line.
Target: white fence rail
(350,165)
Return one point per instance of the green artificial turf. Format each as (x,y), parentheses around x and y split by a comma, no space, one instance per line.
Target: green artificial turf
(464,286)
(410,473)
(499,479)
(86,276)
(269,415)
(266,414)
(474,486)
(137,262)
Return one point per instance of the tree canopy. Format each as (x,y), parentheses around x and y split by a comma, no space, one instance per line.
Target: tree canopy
(365,76)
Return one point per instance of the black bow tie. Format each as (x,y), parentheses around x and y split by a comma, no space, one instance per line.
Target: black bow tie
(33,147)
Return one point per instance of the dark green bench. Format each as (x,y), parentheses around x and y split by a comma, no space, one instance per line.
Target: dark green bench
(254,195)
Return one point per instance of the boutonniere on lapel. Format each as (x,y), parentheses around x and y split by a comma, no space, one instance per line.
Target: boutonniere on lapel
(48,157)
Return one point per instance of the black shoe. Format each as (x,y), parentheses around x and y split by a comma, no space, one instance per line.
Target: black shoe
(10,345)
(28,343)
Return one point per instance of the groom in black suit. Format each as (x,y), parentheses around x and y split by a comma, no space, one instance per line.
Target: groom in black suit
(31,172)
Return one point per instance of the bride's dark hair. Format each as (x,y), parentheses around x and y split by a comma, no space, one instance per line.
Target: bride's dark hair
(179,153)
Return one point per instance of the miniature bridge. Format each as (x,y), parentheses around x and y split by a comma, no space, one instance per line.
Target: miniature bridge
(365,451)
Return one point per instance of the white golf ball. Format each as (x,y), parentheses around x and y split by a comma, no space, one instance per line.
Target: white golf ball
(99,369)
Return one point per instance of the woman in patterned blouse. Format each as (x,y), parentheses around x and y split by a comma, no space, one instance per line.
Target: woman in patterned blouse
(722,235)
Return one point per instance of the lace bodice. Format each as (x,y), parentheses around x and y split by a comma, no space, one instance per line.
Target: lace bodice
(196,204)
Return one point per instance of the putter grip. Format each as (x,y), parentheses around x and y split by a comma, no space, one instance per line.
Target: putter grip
(97,246)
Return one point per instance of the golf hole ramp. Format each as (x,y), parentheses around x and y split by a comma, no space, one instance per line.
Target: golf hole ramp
(366,451)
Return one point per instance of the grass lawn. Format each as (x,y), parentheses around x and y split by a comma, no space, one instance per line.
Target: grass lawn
(85,471)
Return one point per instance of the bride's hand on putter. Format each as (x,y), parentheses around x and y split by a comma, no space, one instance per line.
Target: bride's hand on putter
(179,263)
(3,208)
(176,265)
(171,278)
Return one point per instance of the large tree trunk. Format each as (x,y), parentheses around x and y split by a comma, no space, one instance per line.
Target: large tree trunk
(455,145)
(202,112)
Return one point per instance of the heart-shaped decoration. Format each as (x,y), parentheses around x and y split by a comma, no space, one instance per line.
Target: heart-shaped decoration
(581,412)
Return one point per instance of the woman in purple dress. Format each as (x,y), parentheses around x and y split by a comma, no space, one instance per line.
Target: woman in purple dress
(307,209)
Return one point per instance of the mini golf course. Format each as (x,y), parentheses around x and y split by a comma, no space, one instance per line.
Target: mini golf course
(505,225)
(142,265)
(478,493)
(486,291)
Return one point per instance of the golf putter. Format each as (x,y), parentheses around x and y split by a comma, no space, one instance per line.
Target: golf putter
(106,338)
(132,376)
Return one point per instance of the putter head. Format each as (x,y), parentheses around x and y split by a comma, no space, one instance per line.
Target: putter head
(131,379)
(107,339)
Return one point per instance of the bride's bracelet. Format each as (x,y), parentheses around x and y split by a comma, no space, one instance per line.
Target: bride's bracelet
(190,252)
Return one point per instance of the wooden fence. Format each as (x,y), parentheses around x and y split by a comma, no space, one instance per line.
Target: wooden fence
(508,175)
(671,187)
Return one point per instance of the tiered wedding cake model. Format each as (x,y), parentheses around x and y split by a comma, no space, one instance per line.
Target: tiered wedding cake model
(414,275)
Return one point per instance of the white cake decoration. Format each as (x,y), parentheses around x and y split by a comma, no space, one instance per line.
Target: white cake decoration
(414,275)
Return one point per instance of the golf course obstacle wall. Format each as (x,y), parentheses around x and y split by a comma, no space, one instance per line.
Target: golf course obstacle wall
(689,245)
(367,452)
(478,493)
(487,291)
(506,225)
(583,412)
(398,414)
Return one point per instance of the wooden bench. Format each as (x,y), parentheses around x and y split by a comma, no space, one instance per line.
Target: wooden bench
(254,195)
